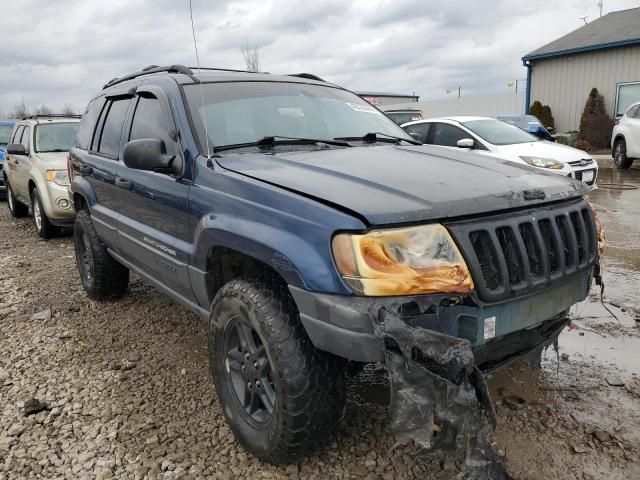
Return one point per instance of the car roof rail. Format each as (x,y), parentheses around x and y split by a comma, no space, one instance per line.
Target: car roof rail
(149,70)
(308,76)
(49,115)
(217,69)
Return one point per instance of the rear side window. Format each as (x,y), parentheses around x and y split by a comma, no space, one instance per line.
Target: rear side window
(149,121)
(88,123)
(112,129)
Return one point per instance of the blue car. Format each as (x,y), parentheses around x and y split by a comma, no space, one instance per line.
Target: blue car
(528,123)
(6,127)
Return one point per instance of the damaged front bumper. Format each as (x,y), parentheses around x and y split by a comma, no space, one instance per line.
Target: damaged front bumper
(437,349)
(497,332)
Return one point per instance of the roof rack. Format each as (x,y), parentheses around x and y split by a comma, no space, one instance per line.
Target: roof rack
(225,70)
(149,70)
(49,115)
(308,76)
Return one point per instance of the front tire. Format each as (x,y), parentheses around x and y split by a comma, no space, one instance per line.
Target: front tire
(44,228)
(281,397)
(620,155)
(16,209)
(102,277)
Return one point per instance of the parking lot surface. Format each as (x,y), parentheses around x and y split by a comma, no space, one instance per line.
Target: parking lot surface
(125,392)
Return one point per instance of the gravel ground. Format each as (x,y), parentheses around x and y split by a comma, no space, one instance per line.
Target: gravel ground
(125,392)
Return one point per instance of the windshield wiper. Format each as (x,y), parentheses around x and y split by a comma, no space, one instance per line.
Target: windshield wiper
(272,141)
(372,137)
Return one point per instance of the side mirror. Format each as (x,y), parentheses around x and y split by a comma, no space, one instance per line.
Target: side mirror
(150,154)
(466,143)
(16,149)
(416,136)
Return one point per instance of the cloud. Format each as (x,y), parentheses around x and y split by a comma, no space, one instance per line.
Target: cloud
(62,52)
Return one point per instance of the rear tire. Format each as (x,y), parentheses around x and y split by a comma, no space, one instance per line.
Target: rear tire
(16,209)
(620,155)
(44,228)
(102,277)
(301,403)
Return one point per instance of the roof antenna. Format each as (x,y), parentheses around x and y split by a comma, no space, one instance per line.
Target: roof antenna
(584,19)
(204,114)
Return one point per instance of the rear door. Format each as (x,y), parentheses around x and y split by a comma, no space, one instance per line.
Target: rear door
(154,230)
(98,163)
(633,150)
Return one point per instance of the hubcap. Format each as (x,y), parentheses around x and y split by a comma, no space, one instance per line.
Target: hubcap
(248,371)
(37,216)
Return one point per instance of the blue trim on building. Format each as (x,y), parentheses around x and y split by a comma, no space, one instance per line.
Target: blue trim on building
(527,96)
(589,48)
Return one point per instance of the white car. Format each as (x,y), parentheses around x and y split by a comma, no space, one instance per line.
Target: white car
(625,140)
(503,140)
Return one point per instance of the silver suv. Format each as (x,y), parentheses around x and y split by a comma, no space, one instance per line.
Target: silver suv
(36,171)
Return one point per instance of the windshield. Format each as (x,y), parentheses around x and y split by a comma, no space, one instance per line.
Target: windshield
(245,112)
(499,133)
(5,134)
(525,122)
(55,137)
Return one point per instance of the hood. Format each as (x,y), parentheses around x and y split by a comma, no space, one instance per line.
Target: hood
(544,148)
(54,160)
(393,185)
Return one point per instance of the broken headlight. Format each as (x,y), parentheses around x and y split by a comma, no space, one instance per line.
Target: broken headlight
(402,261)
(542,162)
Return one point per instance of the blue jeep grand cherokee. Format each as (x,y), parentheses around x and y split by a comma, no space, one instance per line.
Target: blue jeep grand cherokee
(310,231)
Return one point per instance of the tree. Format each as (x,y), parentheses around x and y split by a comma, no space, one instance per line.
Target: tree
(536,109)
(595,124)
(19,111)
(43,110)
(547,117)
(68,109)
(251,57)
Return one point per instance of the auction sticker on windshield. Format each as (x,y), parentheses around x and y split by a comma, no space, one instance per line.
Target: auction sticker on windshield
(360,107)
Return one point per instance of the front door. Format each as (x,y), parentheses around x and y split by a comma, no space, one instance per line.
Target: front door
(154,231)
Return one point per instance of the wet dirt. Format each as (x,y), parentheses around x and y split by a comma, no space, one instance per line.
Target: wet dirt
(130,394)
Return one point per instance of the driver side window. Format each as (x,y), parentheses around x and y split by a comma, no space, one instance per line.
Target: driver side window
(149,121)
(447,135)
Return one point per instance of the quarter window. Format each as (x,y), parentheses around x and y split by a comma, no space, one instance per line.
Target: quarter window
(88,123)
(626,95)
(150,122)
(112,129)
(447,135)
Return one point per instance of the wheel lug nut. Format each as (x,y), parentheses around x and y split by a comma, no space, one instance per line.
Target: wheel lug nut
(255,365)
(246,356)
(258,383)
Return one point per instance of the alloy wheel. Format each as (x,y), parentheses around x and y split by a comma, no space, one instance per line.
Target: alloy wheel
(248,371)
(37,213)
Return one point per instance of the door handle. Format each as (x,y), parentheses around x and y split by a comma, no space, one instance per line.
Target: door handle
(124,183)
(85,170)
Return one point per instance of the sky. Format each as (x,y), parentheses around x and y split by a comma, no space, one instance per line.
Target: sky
(58,52)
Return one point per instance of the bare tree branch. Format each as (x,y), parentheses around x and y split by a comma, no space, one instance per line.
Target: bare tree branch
(251,56)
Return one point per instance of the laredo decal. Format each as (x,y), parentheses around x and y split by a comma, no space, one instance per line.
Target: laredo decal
(160,246)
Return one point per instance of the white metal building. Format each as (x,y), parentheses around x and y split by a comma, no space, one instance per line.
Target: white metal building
(604,53)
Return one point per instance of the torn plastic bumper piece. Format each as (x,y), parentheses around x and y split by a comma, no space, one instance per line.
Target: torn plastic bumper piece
(438,396)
